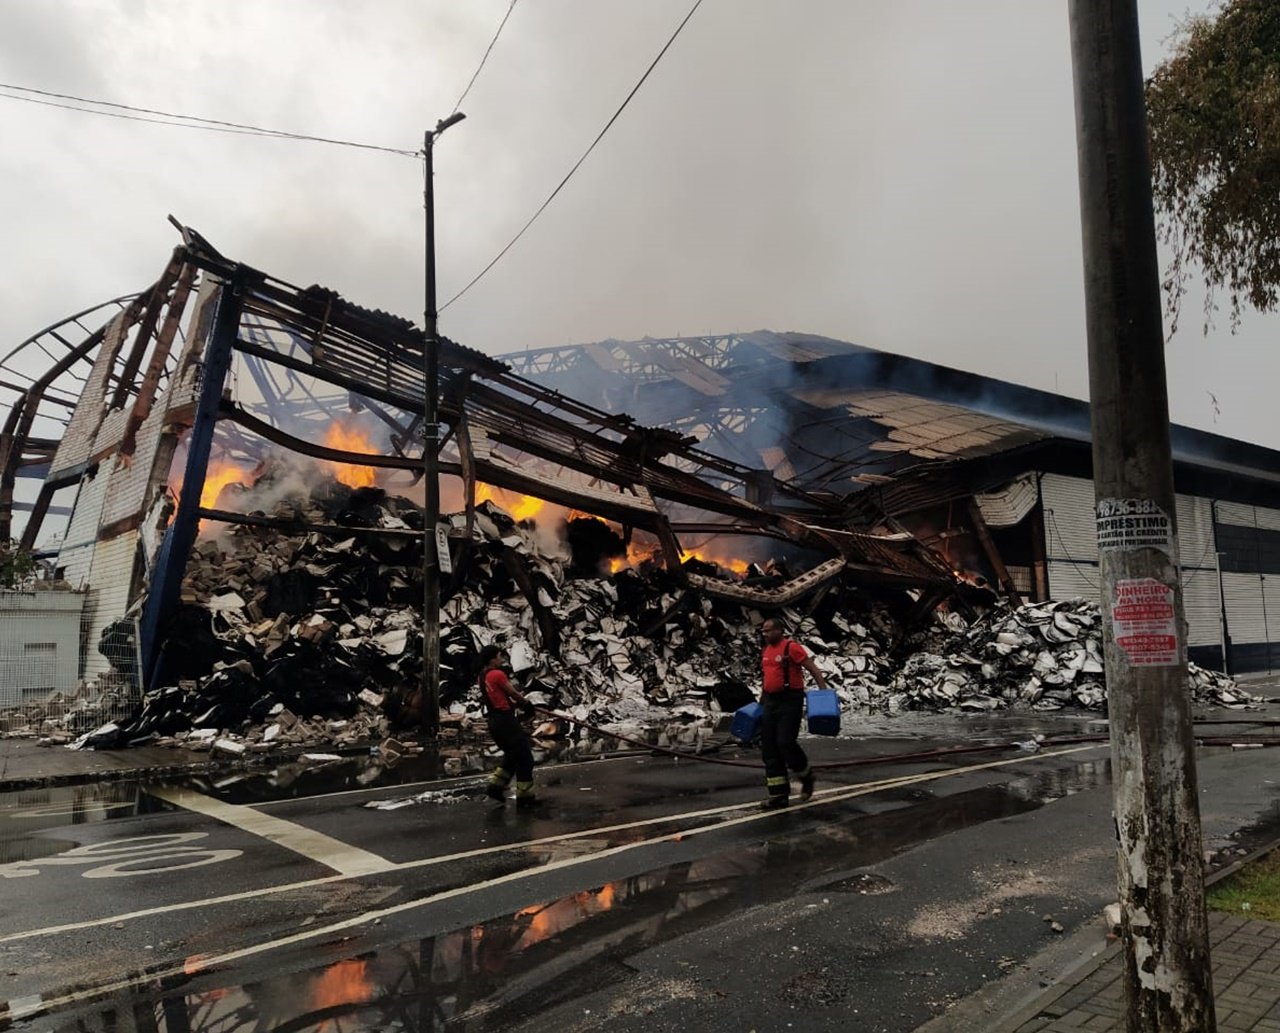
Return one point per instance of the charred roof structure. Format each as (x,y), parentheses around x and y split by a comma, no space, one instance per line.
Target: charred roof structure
(993,476)
(220,361)
(120,425)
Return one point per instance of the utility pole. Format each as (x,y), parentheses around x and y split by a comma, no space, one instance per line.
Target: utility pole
(431,446)
(1168,985)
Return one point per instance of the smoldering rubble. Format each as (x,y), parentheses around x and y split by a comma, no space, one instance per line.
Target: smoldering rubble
(309,637)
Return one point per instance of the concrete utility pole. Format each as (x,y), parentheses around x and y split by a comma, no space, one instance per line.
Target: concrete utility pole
(1168,986)
(431,446)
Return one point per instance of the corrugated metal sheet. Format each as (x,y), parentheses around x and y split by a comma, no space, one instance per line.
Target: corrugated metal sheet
(1200,601)
(1009,505)
(1245,608)
(1235,513)
(1271,596)
(1195,532)
(1070,529)
(1070,581)
(1268,518)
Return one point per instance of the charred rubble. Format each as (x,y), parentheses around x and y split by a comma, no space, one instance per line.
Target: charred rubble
(287,635)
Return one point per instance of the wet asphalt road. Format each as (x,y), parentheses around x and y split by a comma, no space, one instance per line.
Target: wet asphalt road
(645,893)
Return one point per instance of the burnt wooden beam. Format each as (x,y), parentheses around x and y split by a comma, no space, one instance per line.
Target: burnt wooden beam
(993,554)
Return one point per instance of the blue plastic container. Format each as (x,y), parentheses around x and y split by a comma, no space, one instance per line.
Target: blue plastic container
(824,712)
(746,722)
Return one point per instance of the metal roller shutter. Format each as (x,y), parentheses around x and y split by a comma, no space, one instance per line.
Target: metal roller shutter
(1070,529)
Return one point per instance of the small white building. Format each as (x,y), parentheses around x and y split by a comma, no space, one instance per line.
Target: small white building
(39,644)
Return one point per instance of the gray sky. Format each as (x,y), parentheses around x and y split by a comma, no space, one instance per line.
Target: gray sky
(896,173)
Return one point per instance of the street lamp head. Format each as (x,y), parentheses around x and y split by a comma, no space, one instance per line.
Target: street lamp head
(445,123)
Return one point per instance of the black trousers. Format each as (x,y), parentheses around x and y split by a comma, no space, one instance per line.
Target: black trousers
(779,728)
(517,757)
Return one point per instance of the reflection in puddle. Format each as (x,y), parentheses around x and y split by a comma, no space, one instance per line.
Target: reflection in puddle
(59,806)
(496,974)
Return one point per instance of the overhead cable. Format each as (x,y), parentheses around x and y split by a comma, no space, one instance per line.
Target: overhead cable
(168,118)
(600,136)
(488,50)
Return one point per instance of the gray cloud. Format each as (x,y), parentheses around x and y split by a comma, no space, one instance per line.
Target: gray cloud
(897,174)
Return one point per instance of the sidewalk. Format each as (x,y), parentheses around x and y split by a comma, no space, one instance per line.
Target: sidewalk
(1246,978)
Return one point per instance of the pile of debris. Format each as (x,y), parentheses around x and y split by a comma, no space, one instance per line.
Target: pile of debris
(305,637)
(1043,655)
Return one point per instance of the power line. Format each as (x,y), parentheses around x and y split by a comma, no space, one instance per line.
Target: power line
(600,136)
(488,50)
(169,118)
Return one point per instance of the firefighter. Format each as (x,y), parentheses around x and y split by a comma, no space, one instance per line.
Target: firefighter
(500,699)
(784,663)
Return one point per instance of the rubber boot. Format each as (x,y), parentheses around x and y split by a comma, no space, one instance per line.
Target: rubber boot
(525,796)
(497,787)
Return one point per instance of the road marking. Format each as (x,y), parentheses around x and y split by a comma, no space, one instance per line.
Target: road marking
(135,855)
(32,1006)
(315,846)
(845,792)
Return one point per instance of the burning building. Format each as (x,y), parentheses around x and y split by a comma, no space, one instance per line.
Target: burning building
(229,467)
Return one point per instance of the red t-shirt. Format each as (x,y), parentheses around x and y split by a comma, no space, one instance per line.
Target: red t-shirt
(496,687)
(771,659)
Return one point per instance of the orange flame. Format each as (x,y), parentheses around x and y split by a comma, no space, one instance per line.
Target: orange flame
(349,438)
(343,983)
(547,920)
(521,507)
(637,553)
(217,476)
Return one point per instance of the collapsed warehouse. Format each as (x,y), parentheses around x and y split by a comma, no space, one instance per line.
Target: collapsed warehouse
(229,470)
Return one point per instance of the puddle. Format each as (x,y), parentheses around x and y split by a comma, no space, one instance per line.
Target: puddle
(60,806)
(298,778)
(495,974)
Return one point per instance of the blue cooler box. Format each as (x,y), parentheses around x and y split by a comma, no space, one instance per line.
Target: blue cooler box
(746,722)
(824,712)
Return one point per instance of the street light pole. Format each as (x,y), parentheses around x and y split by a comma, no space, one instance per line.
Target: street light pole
(431,447)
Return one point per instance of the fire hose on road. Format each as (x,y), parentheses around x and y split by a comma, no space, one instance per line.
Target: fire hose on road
(898,758)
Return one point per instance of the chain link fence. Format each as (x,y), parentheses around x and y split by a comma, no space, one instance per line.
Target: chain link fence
(62,671)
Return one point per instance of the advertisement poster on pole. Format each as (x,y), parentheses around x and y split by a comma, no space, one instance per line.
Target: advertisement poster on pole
(1144,622)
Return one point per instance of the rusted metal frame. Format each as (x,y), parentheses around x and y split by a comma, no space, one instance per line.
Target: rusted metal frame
(328,375)
(671,549)
(993,554)
(146,328)
(272,433)
(364,388)
(22,389)
(547,625)
(21,419)
(466,458)
(171,560)
(680,527)
(159,358)
(616,468)
(300,526)
(36,518)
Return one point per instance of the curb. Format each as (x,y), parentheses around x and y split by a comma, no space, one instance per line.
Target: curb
(1073,975)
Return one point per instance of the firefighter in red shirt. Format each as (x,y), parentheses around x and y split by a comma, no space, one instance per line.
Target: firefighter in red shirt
(500,698)
(784,664)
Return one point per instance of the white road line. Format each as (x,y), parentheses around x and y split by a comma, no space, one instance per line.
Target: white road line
(315,846)
(31,1007)
(834,794)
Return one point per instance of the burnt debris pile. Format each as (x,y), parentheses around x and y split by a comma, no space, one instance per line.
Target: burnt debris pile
(299,635)
(1043,655)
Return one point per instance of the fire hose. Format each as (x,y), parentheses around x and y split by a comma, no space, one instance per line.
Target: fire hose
(893,758)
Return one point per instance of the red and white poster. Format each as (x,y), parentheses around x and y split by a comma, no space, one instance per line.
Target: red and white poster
(1145,624)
